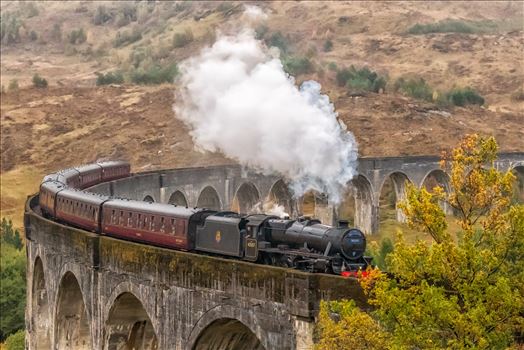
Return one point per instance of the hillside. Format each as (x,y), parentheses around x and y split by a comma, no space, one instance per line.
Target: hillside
(72,121)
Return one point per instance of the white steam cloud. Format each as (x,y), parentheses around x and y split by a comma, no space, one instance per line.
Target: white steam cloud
(237,99)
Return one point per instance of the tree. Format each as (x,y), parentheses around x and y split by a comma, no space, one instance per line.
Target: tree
(12,280)
(460,291)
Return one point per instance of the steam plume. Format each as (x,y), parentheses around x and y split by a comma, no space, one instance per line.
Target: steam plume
(236,98)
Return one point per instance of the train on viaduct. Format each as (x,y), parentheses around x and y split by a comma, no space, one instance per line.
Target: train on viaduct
(87,291)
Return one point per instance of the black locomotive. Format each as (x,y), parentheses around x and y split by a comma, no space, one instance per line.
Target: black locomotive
(303,244)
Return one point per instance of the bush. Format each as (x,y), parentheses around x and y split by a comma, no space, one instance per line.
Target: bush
(297,65)
(16,341)
(39,82)
(332,66)
(182,39)
(154,75)
(13,85)
(465,96)
(77,36)
(127,37)
(328,45)
(417,88)
(360,80)
(278,40)
(109,78)
(454,26)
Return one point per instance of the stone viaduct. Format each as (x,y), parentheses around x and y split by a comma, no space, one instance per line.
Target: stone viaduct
(86,291)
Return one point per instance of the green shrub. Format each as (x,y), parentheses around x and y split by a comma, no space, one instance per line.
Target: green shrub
(332,66)
(328,45)
(417,88)
(297,65)
(29,9)
(360,80)
(39,82)
(16,341)
(109,78)
(380,252)
(454,26)
(465,96)
(127,37)
(12,280)
(278,40)
(155,75)
(13,85)
(182,39)
(77,36)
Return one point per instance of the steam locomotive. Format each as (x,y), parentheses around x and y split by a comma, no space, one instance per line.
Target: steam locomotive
(303,244)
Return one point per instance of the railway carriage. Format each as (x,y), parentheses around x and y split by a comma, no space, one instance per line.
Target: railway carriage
(80,208)
(89,175)
(69,177)
(114,170)
(48,191)
(161,224)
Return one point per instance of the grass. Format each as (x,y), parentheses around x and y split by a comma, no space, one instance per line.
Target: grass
(454,26)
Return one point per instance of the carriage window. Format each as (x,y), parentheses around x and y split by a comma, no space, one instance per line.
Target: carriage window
(121,219)
(162,225)
(146,221)
(173,231)
(139,223)
(129,219)
(152,223)
(113,216)
(93,215)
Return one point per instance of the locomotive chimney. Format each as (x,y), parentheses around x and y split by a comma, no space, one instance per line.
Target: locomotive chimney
(343,223)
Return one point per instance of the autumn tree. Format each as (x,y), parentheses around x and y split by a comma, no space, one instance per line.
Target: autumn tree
(462,290)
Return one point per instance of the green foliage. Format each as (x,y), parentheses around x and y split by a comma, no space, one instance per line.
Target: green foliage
(328,45)
(182,39)
(12,280)
(126,15)
(278,40)
(10,25)
(29,9)
(13,85)
(464,292)
(15,341)
(101,16)
(109,78)
(417,88)
(39,82)
(154,75)
(360,80)
(127,37)
(465,96)
(332,66)
(454,26)
(380,253)
(77,36)
(297,65)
